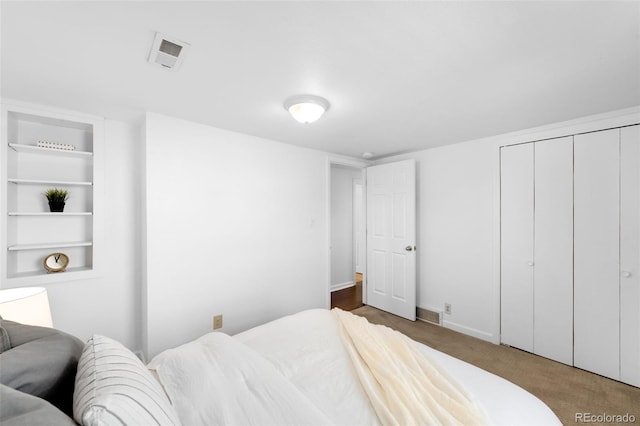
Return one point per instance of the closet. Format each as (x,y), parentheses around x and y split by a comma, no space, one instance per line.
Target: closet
(537,248)
(570,237)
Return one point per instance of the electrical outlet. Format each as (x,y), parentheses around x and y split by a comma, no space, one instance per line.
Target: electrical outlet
(447,308)
(217,321)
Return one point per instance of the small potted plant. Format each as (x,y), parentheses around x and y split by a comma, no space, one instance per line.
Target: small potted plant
(57,198)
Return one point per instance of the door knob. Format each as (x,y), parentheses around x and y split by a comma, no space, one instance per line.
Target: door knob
(408,248)
(530,263)
(626,274)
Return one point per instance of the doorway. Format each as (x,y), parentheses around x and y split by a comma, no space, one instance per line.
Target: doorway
(388,241)
(347,236)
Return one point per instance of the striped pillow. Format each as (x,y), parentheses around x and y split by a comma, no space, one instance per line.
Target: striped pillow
(113,387)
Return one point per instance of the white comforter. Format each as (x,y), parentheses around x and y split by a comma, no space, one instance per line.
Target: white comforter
(217,380)
(295,370)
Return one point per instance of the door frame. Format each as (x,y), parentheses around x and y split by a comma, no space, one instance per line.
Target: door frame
(359,225)
(356,164)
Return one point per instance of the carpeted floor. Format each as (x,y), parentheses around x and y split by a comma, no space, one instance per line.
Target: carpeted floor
(566,390)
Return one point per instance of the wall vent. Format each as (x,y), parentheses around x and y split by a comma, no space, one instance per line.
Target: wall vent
(167,52)
(426,315)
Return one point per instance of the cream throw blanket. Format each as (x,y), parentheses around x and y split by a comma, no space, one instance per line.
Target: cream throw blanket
(404,386)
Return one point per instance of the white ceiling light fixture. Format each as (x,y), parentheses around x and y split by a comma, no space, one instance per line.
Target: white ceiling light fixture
(306,108)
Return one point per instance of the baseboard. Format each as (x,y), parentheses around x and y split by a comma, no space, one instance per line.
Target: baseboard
(341,286)
(483,335)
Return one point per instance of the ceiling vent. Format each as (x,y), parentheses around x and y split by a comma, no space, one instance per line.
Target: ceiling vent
(167,52)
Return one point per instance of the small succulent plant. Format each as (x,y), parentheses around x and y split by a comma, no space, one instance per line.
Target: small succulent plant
(56,195)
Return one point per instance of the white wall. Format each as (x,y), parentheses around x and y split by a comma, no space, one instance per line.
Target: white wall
(247,233)
(110,304)
(455,234)
(342,257)
(458,222)
(236,225)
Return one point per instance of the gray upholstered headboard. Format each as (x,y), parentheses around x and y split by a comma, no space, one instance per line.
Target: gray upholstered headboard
(37,374)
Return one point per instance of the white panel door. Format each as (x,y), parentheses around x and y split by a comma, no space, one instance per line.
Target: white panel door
(391,259)
(596,252)
(553,250)
(630,255)
(516,258)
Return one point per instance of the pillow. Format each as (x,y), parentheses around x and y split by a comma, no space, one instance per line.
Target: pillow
(113,387)
(5,343)
(41,362)
(19,409)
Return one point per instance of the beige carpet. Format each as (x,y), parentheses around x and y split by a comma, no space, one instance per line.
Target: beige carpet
(566,390)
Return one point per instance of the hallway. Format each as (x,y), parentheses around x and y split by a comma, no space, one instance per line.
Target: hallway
(348,298)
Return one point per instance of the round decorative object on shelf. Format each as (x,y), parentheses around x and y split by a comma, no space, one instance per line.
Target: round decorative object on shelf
(56,262)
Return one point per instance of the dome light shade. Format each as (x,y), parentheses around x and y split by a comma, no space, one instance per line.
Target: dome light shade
(306,108)
(26,305)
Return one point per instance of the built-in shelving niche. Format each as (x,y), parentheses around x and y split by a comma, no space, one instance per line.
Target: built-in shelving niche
(32,231)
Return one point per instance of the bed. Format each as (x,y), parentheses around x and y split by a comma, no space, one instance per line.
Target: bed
(294,370)
(309,358)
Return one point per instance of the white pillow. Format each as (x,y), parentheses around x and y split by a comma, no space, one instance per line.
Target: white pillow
(113,387)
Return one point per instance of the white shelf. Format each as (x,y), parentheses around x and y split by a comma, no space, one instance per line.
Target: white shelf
(28,230)
(49,182)
(37,277)
(50,213)
(48,151)
(19,247)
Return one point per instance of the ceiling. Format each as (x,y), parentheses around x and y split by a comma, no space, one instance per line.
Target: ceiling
(400,76)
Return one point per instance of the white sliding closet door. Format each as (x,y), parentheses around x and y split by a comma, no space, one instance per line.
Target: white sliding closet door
(596,251)
(516,194)
(553,250)
(630,255)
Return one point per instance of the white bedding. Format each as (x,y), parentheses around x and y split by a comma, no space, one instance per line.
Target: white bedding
(216,380)
(295,370)
(403,384)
